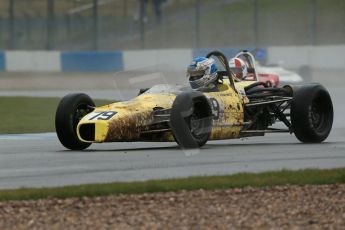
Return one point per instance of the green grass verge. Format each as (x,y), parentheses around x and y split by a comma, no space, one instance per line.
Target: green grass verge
(29,114)
(284,177)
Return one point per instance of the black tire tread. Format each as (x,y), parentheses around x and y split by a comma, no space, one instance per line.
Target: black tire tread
(300,113)
(183,104)
(65,129)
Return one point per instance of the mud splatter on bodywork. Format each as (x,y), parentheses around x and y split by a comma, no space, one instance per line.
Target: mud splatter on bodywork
(128,128)
(136,117)
(136,120)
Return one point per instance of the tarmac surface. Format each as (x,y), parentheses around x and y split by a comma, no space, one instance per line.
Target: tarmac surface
(39,160)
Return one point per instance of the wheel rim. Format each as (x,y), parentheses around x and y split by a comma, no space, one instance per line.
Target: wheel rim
(79,113)
(319,115)
(197,125)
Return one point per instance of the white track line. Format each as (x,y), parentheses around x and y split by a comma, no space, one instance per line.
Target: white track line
(28,136)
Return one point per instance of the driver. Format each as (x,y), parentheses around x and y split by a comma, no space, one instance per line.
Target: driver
(239,68)
(202,73)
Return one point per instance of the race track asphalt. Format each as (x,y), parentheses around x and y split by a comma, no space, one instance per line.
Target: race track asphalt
(39,160)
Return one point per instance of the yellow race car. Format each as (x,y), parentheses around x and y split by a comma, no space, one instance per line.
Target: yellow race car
(235,109)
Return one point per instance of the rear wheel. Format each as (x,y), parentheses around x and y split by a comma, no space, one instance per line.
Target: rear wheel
(312,113)
(71,109)
(191,120)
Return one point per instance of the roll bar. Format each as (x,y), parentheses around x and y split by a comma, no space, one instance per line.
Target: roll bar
(222,58)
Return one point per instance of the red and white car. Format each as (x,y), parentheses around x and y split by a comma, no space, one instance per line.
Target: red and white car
(285,76)
(270,78)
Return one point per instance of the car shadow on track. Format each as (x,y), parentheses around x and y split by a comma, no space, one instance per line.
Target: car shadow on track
(209,146)
(158,148)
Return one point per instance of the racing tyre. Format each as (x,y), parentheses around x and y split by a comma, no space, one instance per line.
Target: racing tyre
(191,120)
(311,113)
(70,111)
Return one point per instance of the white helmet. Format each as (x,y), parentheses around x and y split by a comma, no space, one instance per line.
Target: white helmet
(201,72)
(238,67)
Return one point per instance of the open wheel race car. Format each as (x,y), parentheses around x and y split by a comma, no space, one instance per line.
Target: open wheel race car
(235,109)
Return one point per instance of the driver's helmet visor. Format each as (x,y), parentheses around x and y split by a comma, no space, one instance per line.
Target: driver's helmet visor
(237,70)
(195,74)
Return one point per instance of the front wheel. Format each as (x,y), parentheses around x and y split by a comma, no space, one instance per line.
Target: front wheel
(71,109)
(311,113)
(191,120)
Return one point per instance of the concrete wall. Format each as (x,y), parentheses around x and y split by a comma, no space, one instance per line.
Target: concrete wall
(331,57)
(105,61)
(110,61)
(174,59)
(18,61)
(91,61)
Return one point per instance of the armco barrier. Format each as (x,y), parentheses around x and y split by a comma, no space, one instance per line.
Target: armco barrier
(91,61)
